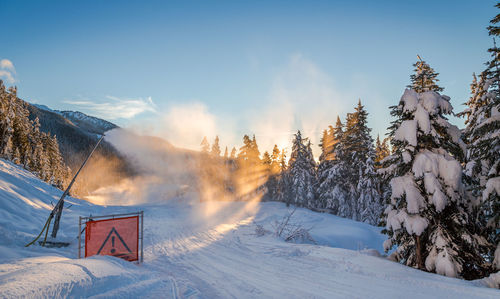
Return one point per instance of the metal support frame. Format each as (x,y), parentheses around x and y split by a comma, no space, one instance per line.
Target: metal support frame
(79,236)
(84,220)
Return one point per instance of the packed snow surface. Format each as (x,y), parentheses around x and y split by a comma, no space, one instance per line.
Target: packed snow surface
(203,250)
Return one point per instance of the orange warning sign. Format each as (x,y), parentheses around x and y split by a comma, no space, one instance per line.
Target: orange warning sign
(117,237)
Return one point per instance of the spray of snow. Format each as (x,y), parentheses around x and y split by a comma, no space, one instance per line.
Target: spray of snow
(165,172)
(301,96)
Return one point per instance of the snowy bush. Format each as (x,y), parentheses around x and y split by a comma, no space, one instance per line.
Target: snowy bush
(260,230)
(291,231)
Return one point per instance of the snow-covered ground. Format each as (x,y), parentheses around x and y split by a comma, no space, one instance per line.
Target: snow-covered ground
(203,250)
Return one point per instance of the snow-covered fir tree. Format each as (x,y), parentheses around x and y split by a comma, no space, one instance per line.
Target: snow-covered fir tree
(7,110)
(482,135)
(369,190)
(427,213)
(382,151)
(359,154)
(331,192)
(272,183)
(301,173)
(283,181)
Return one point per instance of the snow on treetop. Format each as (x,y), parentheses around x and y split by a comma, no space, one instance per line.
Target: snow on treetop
(423,106)
(432,101)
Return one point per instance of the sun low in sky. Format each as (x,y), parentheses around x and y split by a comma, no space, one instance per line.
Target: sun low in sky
(187,69)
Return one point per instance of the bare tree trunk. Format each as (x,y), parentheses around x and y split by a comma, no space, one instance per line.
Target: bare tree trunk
(420,263)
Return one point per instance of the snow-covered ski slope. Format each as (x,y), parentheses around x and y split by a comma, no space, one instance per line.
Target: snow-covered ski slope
(203,250)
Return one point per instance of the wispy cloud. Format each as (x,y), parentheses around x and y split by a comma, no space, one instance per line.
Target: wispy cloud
(302,97)
(7,71)
(186,124)
(115,107)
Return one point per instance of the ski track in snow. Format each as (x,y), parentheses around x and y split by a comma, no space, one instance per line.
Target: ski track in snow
(203,250)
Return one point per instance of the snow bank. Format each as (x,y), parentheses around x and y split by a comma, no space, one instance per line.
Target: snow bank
(492,281)
(54,276)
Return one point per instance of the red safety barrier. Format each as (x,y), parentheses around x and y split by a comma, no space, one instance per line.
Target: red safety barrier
(117,237)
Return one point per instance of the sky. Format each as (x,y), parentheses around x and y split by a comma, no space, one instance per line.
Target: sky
(182,70)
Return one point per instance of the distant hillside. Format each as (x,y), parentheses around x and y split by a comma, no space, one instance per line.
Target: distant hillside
(83,121)
(77,133)
(87,122)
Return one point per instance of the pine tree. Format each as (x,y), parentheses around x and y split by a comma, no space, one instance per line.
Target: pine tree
(250,173)
(21,136)
(493,66)
(272,183)
(245,151)
(283,182)
(275,160)
(483,144)
(226,154)
(427,212)
(301,172)
(216,148)
(254,153)
(266,160)
(233,153)
(370,199)
(425,78)
(38,159)
(358,151)
(205,146)
(381,150)
(56,173)
(329,179)
(7,121)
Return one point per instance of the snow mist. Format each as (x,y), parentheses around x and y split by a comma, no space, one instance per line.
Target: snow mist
(165,172)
